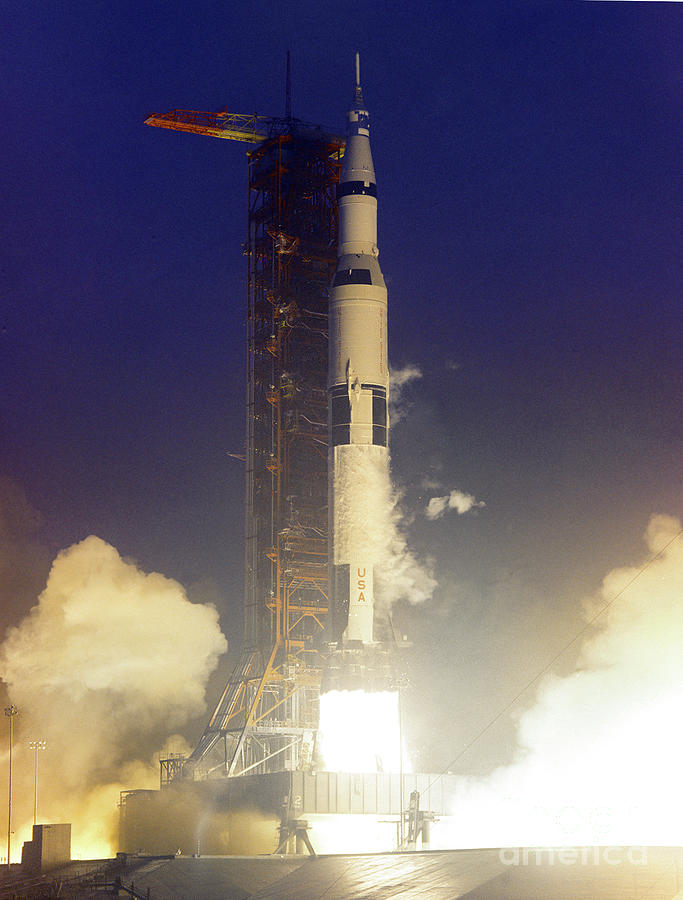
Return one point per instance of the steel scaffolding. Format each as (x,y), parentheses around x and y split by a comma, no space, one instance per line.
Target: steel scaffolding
(267,717)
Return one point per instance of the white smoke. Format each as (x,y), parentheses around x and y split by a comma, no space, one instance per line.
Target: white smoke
(398,380)
(367,495)
(369,514)
(600,751)
(456,500)
(108,663)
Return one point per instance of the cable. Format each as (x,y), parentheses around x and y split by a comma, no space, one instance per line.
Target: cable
(552,662)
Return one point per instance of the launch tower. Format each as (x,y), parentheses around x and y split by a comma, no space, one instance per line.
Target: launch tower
(267,716)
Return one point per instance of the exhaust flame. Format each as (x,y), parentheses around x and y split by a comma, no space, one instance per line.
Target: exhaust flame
(103,668)
(360,731)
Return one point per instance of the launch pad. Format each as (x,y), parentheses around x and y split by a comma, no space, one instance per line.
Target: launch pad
(341,812)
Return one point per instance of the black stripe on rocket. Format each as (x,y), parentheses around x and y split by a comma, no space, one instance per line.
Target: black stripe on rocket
(356,187)
(340,414)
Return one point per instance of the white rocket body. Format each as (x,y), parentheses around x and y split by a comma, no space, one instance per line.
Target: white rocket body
(358,382)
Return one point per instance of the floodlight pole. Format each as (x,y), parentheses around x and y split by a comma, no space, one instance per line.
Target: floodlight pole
(36,746)
(10,712)
(401,829)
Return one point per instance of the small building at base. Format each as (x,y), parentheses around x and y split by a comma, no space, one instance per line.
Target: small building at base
(49,848)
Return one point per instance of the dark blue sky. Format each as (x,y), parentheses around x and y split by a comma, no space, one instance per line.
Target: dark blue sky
(528,160)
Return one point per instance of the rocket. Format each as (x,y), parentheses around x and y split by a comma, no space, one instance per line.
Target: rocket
(358,383)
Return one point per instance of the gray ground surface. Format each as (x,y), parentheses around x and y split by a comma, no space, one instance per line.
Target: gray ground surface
(439,875)
(654,873)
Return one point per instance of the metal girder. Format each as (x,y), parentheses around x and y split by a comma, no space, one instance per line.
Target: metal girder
(233,126)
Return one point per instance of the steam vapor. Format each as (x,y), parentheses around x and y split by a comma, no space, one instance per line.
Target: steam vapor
(456,500)
(364,482)
(598,758)
(398,379)
(108,663)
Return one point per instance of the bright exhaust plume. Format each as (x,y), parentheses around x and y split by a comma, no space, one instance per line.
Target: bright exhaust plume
(360,731)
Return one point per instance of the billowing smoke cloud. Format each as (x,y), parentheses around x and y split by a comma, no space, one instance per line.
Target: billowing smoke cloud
(369,514)
(108,663)
(456,500)
(600,751)
(364,483)
(398,380)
